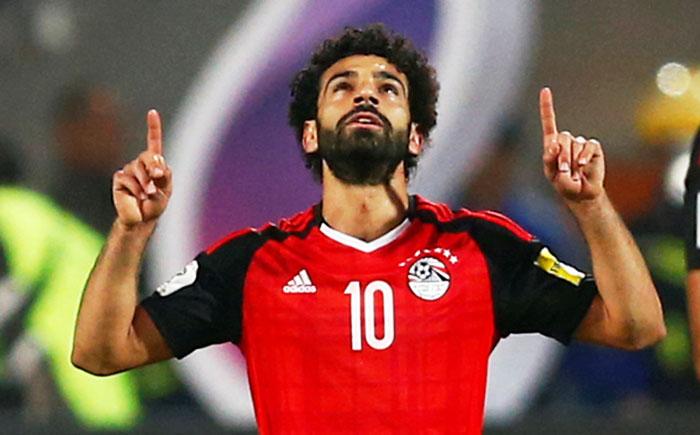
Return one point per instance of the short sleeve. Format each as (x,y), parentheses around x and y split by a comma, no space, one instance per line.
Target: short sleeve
(202,304)
(545,296)
(690,207)
(532,290)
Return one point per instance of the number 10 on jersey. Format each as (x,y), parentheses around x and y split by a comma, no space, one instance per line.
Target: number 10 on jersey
(359,297)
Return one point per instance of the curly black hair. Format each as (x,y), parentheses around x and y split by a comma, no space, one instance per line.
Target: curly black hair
(377,40)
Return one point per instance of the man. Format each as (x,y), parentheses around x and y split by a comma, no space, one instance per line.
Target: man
(692,249)
(373,311)
(45,255)
(87,125)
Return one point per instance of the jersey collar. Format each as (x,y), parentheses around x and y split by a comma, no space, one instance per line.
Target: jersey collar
(361,245)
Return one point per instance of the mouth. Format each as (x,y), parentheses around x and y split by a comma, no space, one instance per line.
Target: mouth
(365,120)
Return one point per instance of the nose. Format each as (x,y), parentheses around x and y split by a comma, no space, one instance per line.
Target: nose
(365,95)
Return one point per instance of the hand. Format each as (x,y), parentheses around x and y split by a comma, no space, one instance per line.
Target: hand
(142,188)
(574,165)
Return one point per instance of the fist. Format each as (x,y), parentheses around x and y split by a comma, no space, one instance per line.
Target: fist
(142,188)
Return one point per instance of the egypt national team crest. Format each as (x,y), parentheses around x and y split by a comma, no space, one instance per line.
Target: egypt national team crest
(429,278)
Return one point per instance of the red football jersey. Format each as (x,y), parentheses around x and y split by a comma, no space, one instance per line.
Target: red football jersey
(389,336)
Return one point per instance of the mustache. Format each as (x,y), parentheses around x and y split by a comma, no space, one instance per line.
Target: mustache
(364,108)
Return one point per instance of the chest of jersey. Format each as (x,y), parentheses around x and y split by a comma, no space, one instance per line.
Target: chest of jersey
(404,330)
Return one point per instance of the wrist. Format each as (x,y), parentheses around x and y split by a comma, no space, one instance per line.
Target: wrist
(590,208)
(140,229)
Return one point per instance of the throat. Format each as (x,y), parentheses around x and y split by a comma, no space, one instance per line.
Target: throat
(366,213)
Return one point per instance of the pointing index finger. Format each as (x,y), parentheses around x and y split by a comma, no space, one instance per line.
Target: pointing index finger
(549,121)
(154,138)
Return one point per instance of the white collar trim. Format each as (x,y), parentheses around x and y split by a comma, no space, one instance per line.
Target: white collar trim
(361,245)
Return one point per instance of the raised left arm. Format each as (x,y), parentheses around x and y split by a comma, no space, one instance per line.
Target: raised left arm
(693,294)
(627,313)
(691,221)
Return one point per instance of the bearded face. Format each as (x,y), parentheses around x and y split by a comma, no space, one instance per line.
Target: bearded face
(363,148)
(363,129)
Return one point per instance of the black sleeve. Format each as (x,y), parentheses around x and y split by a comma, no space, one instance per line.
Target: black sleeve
(202,304)
(532,290)
(690,208)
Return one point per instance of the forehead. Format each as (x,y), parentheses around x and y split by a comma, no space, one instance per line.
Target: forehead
(363,63)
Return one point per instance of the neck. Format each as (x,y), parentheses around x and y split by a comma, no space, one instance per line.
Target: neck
(364,212)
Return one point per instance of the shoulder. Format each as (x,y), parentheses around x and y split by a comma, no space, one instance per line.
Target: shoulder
(20,200)
(251,238)
(480,224)
(41,221)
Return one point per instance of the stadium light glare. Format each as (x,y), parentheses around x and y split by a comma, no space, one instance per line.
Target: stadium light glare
(673,79)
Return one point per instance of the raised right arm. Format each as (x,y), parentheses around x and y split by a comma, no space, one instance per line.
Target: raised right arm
(112,332)
(692,249)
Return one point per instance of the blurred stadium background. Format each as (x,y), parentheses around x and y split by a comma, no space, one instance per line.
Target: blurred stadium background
(76,79)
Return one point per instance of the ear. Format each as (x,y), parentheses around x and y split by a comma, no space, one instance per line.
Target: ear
(309,137)
(415,140)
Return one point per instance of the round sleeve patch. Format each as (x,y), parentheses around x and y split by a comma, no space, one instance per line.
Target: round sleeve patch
(182,279)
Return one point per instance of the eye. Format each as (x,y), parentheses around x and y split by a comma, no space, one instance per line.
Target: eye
(341,86)
(389,88)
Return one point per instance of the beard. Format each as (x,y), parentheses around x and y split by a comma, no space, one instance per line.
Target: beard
(363,157)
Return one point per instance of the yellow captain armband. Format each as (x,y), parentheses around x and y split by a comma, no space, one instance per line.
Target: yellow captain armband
(549,263)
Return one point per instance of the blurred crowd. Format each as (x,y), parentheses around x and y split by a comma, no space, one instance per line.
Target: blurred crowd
(48,244)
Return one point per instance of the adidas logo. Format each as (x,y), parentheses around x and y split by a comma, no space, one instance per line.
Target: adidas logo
(301,283)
